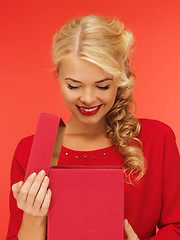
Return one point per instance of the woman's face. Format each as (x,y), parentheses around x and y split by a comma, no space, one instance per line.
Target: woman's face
(85,85)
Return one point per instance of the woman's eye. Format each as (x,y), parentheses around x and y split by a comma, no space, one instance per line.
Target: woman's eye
(106,87)
(71,87)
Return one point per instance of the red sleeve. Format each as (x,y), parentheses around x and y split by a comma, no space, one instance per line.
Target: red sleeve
(18,169)
(169,222)
(17,174)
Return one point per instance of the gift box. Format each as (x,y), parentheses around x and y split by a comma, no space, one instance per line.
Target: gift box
(87,202)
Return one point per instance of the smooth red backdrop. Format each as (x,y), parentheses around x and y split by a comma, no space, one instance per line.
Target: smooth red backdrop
(27,84)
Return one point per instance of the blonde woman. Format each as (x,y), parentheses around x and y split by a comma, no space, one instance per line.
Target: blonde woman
(91,57)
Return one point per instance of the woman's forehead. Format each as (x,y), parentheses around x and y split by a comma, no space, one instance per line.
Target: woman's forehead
(80,68)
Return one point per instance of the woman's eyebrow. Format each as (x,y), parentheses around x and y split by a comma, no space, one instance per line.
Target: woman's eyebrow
(74,80)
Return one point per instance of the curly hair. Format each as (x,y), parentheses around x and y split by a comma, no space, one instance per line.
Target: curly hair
(105,42)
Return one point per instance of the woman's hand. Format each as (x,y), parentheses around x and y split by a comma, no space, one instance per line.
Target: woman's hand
(32,196)
(131,235)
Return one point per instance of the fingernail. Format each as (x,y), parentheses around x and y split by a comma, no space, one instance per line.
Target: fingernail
(20,183)
(33,174)
(46,179)
(42,172)
(126,222)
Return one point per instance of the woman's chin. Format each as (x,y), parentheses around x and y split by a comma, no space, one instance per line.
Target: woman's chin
(90,120)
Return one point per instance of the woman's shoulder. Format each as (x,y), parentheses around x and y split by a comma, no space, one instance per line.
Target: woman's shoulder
(154,127)
(24,144)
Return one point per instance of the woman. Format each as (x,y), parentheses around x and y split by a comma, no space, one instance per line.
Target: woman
(91,57)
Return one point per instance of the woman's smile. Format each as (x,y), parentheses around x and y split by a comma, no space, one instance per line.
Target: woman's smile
(88,107)
(89,111)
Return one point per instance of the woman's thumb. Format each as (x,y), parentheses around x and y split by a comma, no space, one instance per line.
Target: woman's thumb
(16,187)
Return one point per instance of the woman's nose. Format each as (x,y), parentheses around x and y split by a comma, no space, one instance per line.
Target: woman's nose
(88,97)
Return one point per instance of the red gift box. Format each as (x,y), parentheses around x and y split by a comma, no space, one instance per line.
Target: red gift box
(87,202)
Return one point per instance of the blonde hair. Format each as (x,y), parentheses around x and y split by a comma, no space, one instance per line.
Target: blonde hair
(105,42)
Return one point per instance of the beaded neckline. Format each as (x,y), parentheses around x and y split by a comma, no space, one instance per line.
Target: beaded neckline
(96,150)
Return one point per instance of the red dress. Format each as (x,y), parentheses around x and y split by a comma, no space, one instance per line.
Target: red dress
(155,200)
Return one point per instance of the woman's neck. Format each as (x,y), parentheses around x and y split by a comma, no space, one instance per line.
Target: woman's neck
(75,127)
(83,137)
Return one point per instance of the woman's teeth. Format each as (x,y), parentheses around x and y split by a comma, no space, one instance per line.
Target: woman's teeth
(88,110)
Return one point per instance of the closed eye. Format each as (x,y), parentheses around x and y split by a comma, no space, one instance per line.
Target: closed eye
(104,88)
(71,87)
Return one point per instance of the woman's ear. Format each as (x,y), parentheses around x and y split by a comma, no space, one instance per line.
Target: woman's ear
(55,74)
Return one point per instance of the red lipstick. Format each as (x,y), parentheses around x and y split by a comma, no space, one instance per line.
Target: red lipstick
(89,113)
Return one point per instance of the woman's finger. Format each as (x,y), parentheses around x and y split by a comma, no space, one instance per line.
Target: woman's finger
(41,194)
(25,188)
(131,235)
(46,203)
(33,191)
(15,188)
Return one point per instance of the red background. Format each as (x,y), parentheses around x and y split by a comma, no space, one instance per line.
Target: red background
(28,87)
